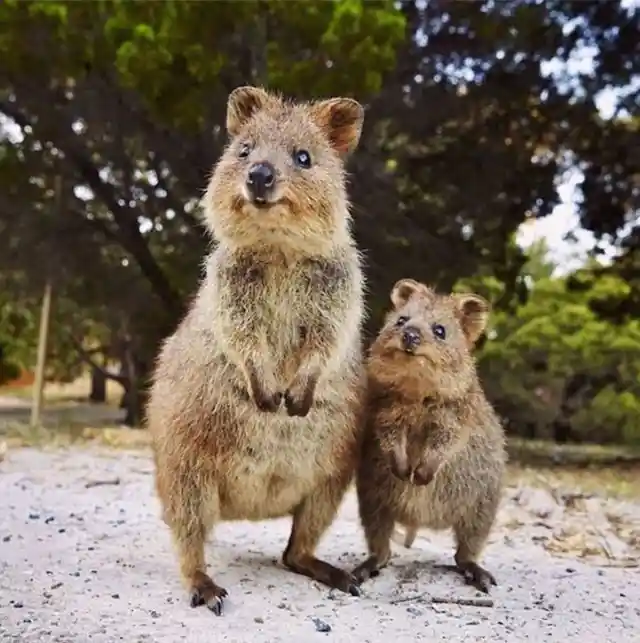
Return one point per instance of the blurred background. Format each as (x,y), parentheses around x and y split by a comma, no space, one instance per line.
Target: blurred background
(500,153)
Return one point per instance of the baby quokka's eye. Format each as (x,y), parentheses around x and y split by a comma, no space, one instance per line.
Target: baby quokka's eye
(302,159)
(439,331)
(245,150)
(402,320)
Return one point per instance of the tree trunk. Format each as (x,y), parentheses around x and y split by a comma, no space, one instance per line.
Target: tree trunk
(98,386)
(561,431)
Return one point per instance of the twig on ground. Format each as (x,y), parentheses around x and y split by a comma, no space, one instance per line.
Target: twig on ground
(102,483)
(444,600)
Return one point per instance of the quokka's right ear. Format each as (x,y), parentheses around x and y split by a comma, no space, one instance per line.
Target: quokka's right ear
(403,290)
(242,104)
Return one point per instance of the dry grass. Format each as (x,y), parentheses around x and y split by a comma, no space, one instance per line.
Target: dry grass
(615,481)
(20,435)
(604,470)
(57,393)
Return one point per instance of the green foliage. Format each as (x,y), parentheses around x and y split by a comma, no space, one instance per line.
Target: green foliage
(557,363)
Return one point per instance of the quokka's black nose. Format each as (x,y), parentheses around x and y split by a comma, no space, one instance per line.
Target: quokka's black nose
(260,180)
(411,338)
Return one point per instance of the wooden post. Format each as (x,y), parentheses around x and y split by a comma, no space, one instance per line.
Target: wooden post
(43,336)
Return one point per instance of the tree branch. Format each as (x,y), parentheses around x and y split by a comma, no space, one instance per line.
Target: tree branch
(86,357)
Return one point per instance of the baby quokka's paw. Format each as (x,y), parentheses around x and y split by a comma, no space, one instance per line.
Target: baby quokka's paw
(426,470)
(298,398)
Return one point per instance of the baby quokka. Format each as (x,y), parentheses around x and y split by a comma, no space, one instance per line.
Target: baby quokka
(433,453)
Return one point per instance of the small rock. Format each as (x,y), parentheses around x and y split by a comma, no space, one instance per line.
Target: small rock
(155,614)
(18,604)
(321,626)
(6,539)
(34,516)
(539,502)
(48,520)
(414,611)
(115,595)
(258,619)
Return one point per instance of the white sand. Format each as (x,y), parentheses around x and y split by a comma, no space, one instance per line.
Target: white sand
(97,565)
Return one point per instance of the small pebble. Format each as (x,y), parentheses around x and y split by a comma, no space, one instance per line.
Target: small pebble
(321,626)
(115,595)
(415,611)
(6,539)
(49,520)
(155,614)
(18,604)
(34,516)
(258,619)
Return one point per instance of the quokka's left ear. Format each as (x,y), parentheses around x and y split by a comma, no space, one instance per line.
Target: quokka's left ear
(474,315)
(341,120)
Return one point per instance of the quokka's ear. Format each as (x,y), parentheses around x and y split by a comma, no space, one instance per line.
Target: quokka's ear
(242,104)
(341,120)
(473,311)
(404,289)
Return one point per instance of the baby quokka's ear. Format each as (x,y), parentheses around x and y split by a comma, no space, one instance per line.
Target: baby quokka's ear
(341,120)
(473,311)
(404,289)
(243,103)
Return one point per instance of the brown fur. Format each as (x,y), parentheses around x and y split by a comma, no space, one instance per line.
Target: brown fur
(433,454)
(256,400)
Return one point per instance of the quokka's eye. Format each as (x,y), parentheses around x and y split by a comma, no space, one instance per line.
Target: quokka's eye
(402,320)
(245,150)
(439,331)
(302,159)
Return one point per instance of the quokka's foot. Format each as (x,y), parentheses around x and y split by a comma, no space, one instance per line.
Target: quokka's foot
(370,568)
(325,573)
(205,592)
(477,576)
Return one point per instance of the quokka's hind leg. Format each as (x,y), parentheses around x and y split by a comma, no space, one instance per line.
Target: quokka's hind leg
(471,535)
(378,522)
(191,515)
(311,518)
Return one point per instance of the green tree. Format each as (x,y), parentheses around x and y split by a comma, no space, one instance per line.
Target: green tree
(557,369)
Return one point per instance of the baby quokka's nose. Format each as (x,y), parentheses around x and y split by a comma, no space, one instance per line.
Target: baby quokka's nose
(411,338)
(260,180)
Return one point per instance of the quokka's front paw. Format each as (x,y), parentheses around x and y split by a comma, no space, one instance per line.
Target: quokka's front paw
(267,402)
(265,399)
(298,398)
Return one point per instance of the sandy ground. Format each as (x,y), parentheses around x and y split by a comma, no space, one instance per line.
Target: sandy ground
(96,564)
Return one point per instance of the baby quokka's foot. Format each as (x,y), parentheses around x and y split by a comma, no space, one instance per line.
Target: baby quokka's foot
(476,576)
(204,591)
